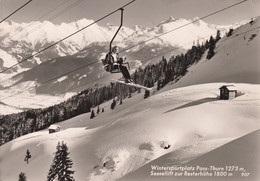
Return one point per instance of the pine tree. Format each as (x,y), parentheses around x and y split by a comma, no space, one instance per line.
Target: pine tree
(55,163)
(230,32)
(27,156)
(218,37)
(92,114)
(61,166)
(158,85)
(98,109)
(206,46)
(212,45)
(22,177)
(113,105)
(146,94)
(65,174)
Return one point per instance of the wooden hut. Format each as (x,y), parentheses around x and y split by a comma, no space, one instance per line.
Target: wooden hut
(228,92)
(54,128)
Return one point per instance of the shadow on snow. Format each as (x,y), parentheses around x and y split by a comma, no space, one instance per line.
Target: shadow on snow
(194,103)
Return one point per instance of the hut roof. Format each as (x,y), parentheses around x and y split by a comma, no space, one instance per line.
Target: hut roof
(229,87)
(53,126)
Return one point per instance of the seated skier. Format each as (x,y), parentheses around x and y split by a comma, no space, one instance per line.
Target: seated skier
(112,58)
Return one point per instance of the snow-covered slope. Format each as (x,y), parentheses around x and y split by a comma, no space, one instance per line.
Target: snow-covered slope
(189,121)
(239,160)
(236,59)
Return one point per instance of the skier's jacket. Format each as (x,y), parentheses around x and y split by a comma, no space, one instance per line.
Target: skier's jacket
(110,59)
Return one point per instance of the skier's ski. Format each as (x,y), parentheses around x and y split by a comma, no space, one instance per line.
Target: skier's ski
(133,84)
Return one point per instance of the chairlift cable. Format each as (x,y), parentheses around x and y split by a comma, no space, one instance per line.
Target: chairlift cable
(15,11)
(38,20)
(179,27)
(42,50)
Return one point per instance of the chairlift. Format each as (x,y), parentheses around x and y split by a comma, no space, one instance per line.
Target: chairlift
(114,67)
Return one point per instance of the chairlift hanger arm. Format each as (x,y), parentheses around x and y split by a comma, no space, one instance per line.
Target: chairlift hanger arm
(121,23)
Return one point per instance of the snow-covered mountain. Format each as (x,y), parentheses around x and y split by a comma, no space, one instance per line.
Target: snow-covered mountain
(180,32)
(20,40)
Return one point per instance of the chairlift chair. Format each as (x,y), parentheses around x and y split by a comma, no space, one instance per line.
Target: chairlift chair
(114,67)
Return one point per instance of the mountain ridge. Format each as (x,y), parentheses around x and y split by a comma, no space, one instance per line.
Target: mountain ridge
(25,38)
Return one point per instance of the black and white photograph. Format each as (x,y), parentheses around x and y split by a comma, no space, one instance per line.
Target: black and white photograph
(129,90)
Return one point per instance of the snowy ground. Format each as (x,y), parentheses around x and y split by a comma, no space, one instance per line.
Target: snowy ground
(232,161)
(191,120)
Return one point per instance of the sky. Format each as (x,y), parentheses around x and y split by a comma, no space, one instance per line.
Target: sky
(148,13)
